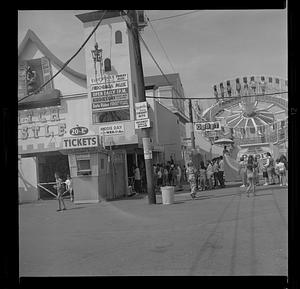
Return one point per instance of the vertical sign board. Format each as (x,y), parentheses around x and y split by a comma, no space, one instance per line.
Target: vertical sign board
(147,148)
(109,92)
(141,110)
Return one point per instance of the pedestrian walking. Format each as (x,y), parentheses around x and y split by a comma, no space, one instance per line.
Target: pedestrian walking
(256,171)
(191,177)
(209,174)
(280,171)
(265,175)
(270,169)
(137,180)
(215,172)
(179,176)
(69,187)
(221,172)
(60,190)
(284,160)
(165,176)
(242,171)
(202,176)
(159,176)
(250,175)
(184,174)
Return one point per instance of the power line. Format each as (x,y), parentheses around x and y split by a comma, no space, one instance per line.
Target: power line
(66,63)
(227,97)
(182,14)
(161,44)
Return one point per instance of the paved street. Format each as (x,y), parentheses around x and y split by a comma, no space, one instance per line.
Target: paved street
(222,232)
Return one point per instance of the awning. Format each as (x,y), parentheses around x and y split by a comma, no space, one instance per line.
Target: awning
(42,99)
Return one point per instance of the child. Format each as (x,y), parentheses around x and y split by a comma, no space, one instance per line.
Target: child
(191,176)
(69,185)
(60,190)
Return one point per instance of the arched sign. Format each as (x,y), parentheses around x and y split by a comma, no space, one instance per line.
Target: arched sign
(79,130)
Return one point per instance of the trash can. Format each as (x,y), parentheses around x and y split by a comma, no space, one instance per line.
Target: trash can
(167,194)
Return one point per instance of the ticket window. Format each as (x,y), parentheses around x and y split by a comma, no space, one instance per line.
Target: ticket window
(83,163)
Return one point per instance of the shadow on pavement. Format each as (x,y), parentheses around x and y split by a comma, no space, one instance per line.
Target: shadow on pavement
(74,208)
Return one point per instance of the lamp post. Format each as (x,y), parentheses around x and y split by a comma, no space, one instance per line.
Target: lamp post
(97,57)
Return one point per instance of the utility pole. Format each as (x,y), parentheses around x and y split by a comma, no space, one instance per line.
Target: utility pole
(192,124)
(142,97)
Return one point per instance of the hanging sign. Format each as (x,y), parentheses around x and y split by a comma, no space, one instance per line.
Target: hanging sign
(79,130)
(142,123)
(208,126)
(112,129)
(141,110)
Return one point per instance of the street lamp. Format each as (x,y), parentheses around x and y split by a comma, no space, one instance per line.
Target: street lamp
(97,57)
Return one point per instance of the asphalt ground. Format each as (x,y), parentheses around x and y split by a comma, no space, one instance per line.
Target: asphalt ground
(220,233)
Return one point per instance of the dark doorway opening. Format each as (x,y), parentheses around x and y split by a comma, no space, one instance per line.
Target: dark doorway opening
(48,164)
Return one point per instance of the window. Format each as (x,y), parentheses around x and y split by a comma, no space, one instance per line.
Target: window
(109,116)
(277,80)
(107,65)
(83,165)
(270,79)
(118,37)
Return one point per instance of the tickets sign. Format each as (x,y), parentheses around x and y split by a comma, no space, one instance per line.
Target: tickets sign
(80,142)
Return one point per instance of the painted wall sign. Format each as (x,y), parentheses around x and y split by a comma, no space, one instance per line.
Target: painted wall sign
(38,123)
(80,142)
(142,123)
(112,129)
(79,130)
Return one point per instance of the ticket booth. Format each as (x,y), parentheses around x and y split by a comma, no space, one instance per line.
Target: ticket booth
(97,174)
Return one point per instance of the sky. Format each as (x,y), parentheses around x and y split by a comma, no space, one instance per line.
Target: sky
(206,47)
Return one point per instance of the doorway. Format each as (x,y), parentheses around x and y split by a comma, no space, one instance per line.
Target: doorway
(48,164)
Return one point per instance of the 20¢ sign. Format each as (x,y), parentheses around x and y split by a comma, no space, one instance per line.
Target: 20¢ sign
(79,130)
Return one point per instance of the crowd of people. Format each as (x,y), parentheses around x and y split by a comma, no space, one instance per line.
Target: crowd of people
(211,176)
(206,177)
(273,172)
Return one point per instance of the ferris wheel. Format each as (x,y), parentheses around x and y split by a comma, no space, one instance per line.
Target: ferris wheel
(251,110)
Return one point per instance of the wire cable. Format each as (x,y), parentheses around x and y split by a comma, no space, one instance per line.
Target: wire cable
(67,62)
(227,97)
(161,44)
(168,17)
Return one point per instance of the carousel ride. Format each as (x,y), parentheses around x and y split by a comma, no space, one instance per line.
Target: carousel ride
(253,113)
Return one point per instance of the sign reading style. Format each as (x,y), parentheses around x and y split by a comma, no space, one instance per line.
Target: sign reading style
(80,142)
